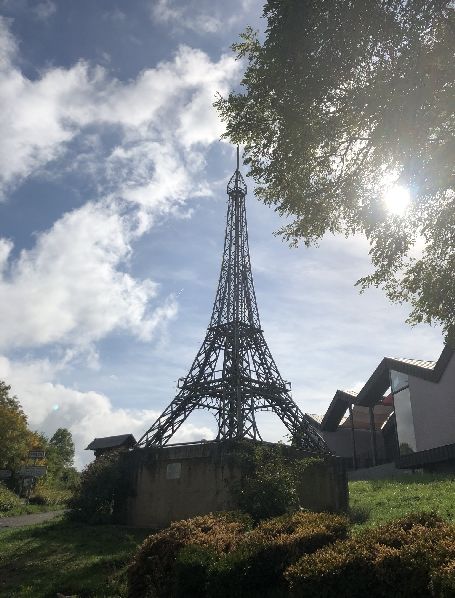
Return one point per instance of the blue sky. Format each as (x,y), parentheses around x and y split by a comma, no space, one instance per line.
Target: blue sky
(112,208)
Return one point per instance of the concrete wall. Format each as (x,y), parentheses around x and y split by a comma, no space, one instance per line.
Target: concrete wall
(433,409)
(340,443)
(324,487)
(178,482)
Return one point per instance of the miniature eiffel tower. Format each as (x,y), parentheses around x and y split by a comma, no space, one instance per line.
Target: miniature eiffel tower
(234,373)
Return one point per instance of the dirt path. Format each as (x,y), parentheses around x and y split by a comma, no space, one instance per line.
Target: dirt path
(31,519)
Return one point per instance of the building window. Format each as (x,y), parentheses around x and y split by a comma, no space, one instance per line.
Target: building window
(403,412)
(398,381)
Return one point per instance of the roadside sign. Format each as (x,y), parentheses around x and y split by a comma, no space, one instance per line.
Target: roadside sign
(5,474)
(36,454)
(34,471)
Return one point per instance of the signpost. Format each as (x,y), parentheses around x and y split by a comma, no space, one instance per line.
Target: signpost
(29,473)
(33,471)
(38,454)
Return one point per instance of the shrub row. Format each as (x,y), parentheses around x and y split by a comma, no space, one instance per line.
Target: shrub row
(256,567)
(44,495)
(8,500)
(220,555)
(152,572)
(413,556)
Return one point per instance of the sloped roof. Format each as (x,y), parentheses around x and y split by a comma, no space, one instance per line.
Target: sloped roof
(373,390)
(315,417)
(379,380)
(417,362)
(337,409)
(111,442)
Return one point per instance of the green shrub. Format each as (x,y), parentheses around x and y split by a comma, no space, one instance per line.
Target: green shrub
(153,570)
(271,476)
(102,491)
(192,566)
(8,500)
(443,581)
(257,566)
(44,494)
(397,559)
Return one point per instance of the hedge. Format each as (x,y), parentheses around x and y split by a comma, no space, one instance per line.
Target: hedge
(220,556)
(152,573)
(102,492)
(8,500)
(406,558)
(442,582)
(45,495)
(258,563)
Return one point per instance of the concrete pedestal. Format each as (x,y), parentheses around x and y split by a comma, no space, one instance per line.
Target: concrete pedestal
(182,481)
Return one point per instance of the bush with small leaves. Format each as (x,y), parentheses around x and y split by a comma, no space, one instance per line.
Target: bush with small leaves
(192,566)
(443,580)
(102,490)
(8,500)
(45,494)
(257,566)
(397,559)
(271,476)
(152,573)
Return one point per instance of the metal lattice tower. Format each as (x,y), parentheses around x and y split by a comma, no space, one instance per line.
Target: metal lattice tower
(234,373)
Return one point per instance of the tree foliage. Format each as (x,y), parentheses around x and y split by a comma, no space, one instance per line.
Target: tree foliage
(60,451)
(342,99)
(102,492)
(15,437)
(61,472)
(271,476)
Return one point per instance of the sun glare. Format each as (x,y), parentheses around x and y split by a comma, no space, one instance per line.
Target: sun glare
(397,199)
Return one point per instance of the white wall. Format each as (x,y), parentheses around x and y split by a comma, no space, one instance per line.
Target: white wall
(433,409)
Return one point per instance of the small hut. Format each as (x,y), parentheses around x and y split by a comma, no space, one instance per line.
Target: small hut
(108,444)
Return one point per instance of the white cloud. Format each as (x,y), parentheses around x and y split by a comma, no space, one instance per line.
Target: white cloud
(87,415)
(6,247)
(188,16)
(44,10)
(204,16)
(71,288)
(116,15)
(8,45)
(169,105)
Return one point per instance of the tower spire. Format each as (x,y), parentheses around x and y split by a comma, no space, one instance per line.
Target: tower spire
(234,374)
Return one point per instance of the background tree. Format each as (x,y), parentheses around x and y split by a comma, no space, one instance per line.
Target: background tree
(60,457)
(15,437)
(343,100)
(102,493)
(62,445)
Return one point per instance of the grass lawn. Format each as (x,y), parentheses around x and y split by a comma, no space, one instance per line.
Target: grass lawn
(66,557)
(90,561)
(378,501)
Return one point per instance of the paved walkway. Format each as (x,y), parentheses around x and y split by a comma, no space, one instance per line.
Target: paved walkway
(32,519)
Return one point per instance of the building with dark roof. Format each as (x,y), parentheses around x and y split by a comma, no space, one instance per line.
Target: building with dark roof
(111,443)
(405,413)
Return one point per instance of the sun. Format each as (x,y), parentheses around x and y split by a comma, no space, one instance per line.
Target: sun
(397,199)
